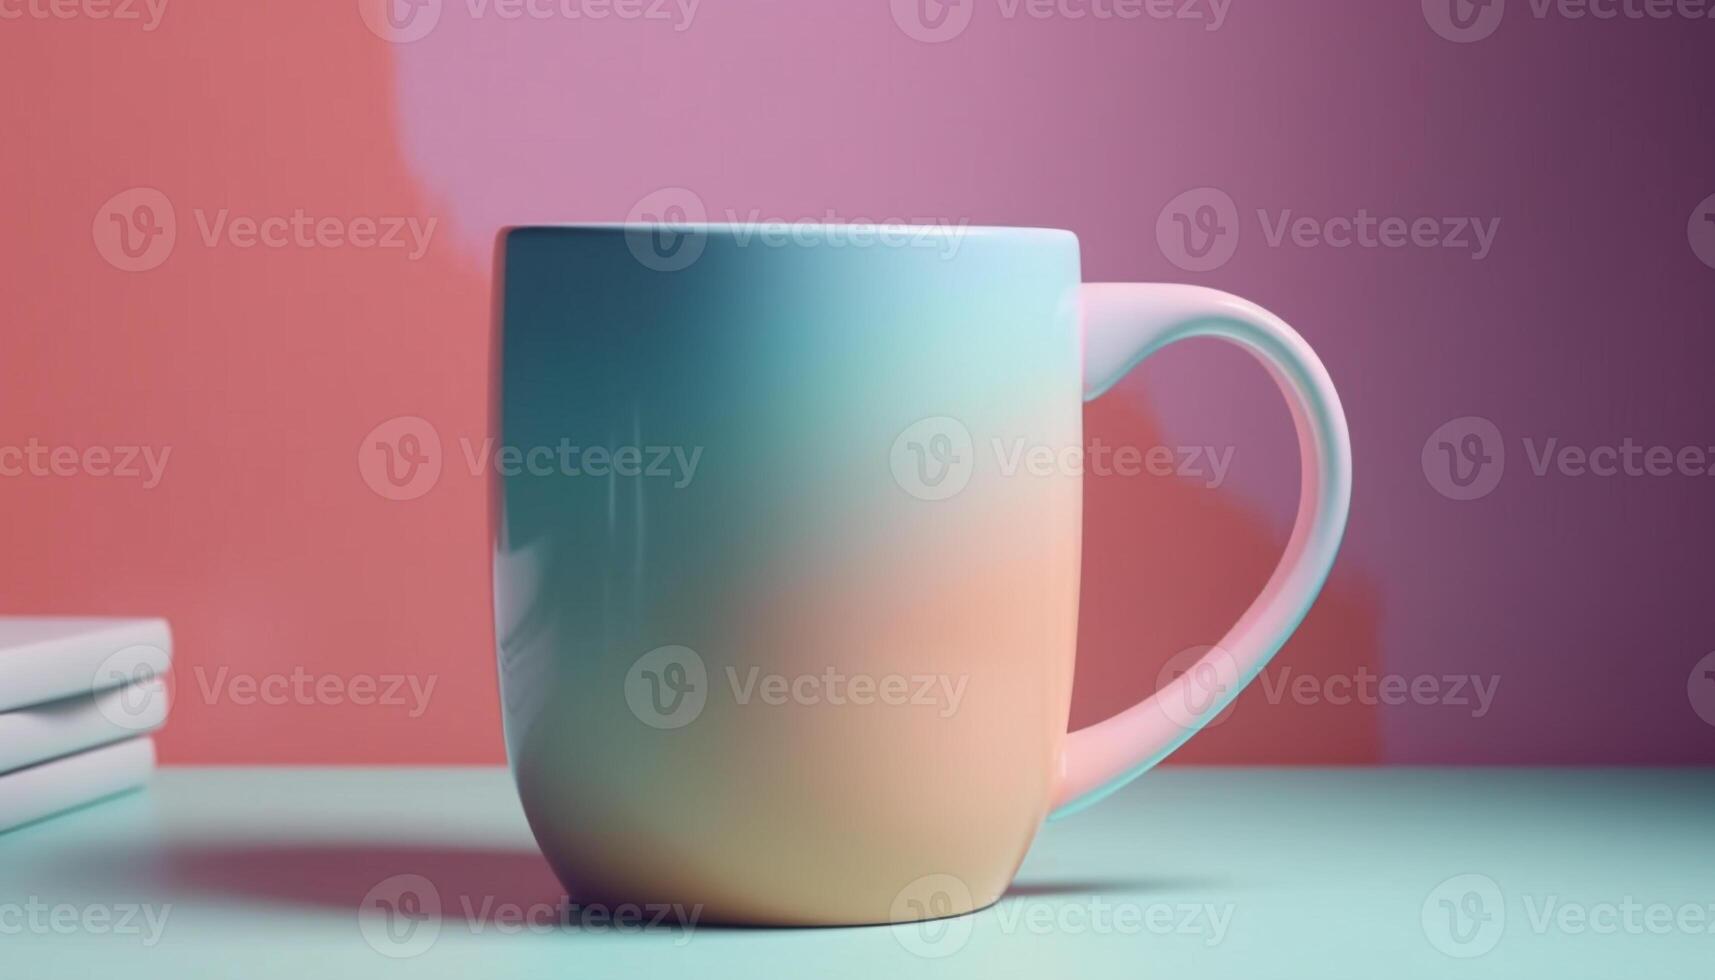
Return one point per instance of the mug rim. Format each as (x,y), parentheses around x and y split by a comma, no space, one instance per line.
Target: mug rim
(733,227)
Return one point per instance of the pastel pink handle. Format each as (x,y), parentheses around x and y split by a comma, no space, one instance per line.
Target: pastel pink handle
(1123,324)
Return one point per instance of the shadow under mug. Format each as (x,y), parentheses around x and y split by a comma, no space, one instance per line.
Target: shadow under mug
(785,630)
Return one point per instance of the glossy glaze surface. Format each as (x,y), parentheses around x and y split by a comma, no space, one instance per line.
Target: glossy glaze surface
(850,521)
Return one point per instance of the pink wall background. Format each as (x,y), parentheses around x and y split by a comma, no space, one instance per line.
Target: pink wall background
(264,369)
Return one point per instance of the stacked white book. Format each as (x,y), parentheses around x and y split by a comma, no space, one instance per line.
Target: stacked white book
(79,698)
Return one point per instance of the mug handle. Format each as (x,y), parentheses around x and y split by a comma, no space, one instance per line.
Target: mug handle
(1124,323)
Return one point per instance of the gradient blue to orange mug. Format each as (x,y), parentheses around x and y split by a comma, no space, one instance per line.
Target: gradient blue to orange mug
(782,635)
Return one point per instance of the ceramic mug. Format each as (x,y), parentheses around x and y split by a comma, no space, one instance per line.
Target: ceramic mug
(782,635)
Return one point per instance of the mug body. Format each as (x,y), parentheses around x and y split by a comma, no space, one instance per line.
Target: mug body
(786,559)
